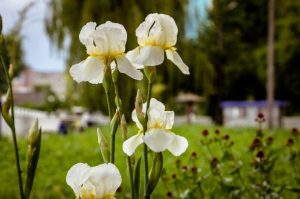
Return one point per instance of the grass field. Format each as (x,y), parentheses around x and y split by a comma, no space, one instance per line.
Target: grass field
(59,153)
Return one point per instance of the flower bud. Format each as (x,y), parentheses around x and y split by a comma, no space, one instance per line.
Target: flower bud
(115,75)
(115,121)
(124,127)
(155,173)
(34,133)
(33,153)
(104,148)
(5,108)
(139,107)
(118,103)
(11,70)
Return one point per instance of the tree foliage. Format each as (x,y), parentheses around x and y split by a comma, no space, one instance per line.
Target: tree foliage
(235,40)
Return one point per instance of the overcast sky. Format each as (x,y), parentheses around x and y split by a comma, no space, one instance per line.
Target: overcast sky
(39,55)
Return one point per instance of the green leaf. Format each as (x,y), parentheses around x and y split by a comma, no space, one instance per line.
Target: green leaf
(155,173)
(137,178)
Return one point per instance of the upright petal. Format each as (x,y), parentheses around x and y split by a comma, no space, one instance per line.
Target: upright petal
(85,36)
(76,176)
(90,70)
(132,143)
(170,30)
(125,66)
(136,120)
(156,105)
(110,38)
(176,59)
(178,145)
(158,140)
(143,30)
(170,116)
(150,56)
(106,178)
(156,114)
(157,29)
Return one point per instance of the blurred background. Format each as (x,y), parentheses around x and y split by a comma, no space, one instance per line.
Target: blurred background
(224,42)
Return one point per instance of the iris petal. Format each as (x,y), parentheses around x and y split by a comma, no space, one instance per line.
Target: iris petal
(176,59)
(150,56)
(90,70)
(125,66)
(132,143)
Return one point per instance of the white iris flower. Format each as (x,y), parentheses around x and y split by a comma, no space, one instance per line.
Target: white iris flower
(105,45)
(156,35)
(99,182)
(158,136)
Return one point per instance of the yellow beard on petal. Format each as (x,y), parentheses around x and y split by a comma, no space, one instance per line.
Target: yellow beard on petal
(92,195)
(152,42)
(108,57)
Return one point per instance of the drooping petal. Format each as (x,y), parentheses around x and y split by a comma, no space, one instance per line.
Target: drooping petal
(178,145)
(89,70)
(136,120)
(131,55)
(170,116)
(125,66)
(76,176)
(85,36)
(106,178)
(132,143)
(150,56)
(176,59)
(110,38)
(158,140)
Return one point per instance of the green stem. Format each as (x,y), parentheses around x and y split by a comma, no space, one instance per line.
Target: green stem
(130,177)
(112,148)
(117,93)
(107,94)
(13,129)
(144,131)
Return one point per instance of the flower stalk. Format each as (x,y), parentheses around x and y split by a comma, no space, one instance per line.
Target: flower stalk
(113,127)
(12,125)
(150,73)
(106,86)
(129,166)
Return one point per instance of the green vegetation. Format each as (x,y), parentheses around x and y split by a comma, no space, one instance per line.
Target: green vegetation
(59,153)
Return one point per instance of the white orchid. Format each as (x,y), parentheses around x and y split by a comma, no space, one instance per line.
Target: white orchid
(97,182)
(105,45)
(158,136)
(158,33)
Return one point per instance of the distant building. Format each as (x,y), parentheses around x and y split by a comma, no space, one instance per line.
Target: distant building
(25,83)
(243,113)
